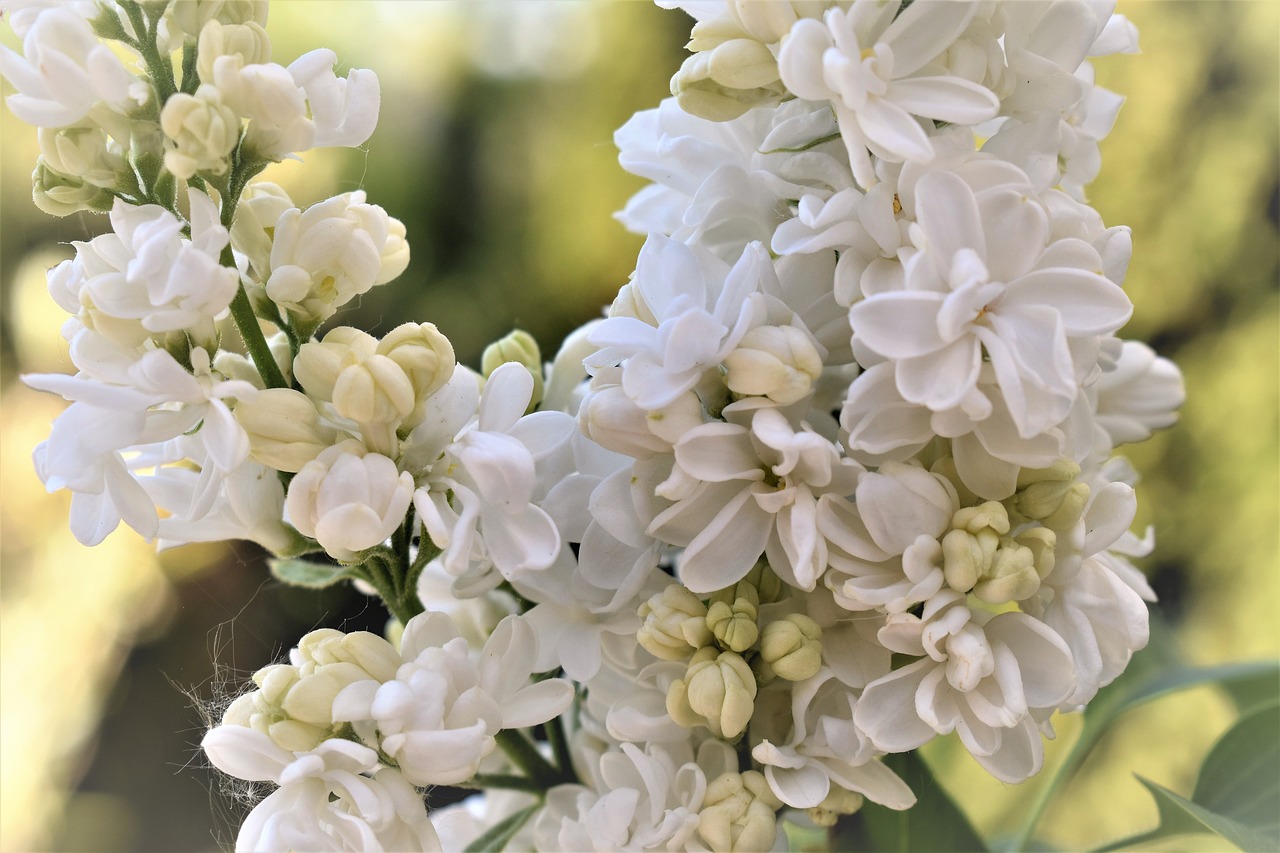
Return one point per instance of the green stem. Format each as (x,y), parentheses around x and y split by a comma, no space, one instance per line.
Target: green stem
(159,67)
(559,745)
(484,781)
(241,308)
(526,757)
(190,80)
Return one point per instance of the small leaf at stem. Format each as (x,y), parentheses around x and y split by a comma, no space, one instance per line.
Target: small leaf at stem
(308,574)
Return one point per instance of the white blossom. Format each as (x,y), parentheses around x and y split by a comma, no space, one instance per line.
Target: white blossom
(437,718)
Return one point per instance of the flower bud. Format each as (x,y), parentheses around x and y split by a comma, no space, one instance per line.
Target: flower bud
(792,647)
(967,557)
(719,690)
(1012,576)
(723,87)
(733,619)
(348,499)
(675,624)
(247,41)
(319,363)
(987,516)
(260,710)
(765,22)
(376,657)
(777,362)
(284,428)
(425,356)
(1041,541)
(85,151)
(839,801)
(192,16)
(200,132)
(62,195)
(1057,504)
(739,812)
(520,347)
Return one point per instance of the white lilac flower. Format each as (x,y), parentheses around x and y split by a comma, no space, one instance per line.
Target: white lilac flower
(747,487)
(826,748)
(637,799)
(865,61)
(722,185)
(330,253)
(880,425)
(884,545)
(990,679)
(333,797)
(479,500)
(692,310)
(1139,396)
(438,717)
(83,453)
(63,71)
(987,280)
(146,278)
(345,112)
(248,504)
(1094,598)
(348,499)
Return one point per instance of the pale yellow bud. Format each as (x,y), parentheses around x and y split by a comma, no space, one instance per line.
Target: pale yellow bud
(734,623)
(721,690)
(1058,504)
(248,41)
(426,357)
(200,133)
(739,813)
(1062,470)
(675,624)
(967,557)
(777,362)
(768,586)
(191,16)
(62,195)
(319,363)
(520,347)
(84,151)
(284,428)
(792,647)
(987,516)
(766,22)
(1041,542)
(371,653)
(838,801)
(713,32)
(698,91)
(395,252)
(1012,576)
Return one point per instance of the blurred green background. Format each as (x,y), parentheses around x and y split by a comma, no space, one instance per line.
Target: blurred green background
(495,150)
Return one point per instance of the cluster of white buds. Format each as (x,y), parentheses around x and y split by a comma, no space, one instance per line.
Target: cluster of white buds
(833,477)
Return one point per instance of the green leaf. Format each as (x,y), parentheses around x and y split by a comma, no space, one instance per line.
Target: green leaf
(934,823)
(1237,795)
(1147,682)
(1240,778)
(502,831)
(311,575)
